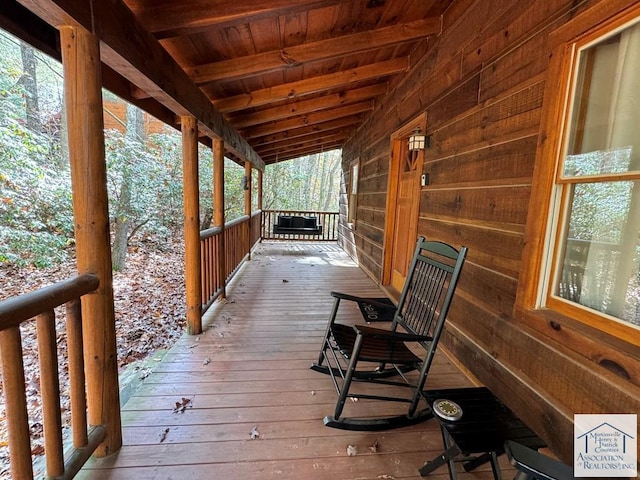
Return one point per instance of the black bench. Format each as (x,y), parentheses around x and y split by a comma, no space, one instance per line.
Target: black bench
(297,224)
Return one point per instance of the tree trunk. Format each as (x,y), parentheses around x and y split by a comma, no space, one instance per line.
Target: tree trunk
(329,191)
(319,198)
(121,228)
(135,133)
(30,83)
(206,221)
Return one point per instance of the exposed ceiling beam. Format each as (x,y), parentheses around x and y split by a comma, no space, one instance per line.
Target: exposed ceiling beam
(297,153)
(308,106)
(135,54)
(355,43)
(19,21)
(312,85)
(169,18)
(306,120)
(25,25)
(346,123)
(326,137)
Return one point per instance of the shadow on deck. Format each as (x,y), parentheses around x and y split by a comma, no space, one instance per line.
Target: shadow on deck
(249,372)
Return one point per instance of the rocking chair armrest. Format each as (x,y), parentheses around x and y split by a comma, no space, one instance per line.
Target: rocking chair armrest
(353,298)
(368,331)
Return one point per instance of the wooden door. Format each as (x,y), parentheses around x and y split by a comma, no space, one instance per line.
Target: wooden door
(407,207)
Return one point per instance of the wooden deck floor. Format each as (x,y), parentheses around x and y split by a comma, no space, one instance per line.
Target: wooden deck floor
(250,371)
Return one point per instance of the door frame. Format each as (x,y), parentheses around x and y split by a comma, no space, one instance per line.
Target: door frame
(392,191)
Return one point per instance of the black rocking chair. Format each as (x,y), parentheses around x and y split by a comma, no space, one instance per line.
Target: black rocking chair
(532,465)
(418,321)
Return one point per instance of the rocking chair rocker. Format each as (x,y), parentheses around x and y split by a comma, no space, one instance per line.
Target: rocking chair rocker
(418,321)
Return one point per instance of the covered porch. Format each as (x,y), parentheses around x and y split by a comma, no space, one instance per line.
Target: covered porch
(484,85)
(193,415)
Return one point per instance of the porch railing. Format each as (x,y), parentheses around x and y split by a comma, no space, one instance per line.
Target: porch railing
(240,235)
(328,220)
(40,305)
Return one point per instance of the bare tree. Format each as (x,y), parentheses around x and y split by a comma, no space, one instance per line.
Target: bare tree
(30,83)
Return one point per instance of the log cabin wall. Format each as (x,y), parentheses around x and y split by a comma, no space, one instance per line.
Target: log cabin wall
(482,85)
(115,117)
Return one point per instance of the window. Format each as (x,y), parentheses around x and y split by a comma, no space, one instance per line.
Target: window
(353,191)
(594,272)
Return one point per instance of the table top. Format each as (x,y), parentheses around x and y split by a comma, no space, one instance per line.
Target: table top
(486,423)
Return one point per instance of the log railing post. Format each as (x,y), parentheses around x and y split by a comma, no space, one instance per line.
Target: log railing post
(50,391)
(17,418)
(83,97)
(77,377)
(218,211)
(193,280)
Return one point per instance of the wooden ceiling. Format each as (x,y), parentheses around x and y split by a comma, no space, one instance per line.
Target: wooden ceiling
(286,78)
(294,77)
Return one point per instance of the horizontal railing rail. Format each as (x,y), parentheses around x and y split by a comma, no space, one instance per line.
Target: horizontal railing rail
(41,305)
(327,220)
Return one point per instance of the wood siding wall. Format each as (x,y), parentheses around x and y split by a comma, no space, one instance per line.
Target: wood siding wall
(115,117)
(482,85)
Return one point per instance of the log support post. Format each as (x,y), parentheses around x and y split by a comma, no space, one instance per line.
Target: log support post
(260,202)
(218,212)
(247,206)
(83,97)
(247,188)
(260,188)
(193,281)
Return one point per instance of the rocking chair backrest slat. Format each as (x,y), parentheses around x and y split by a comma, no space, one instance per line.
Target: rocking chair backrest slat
(429,288)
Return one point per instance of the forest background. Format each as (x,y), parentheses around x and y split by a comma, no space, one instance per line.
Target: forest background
(144,175)
(144,168)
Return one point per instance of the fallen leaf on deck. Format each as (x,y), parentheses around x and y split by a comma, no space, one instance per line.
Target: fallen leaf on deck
(352,451)
(207,361)
(163,435)
(374,447)
(37,450)
(254,433)
(182,405)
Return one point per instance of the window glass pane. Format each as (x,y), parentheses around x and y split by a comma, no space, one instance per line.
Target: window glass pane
(354,178)
(604,134)
(616,160)
(600,264)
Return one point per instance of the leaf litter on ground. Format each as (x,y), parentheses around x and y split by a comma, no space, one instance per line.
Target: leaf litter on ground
(149,300)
